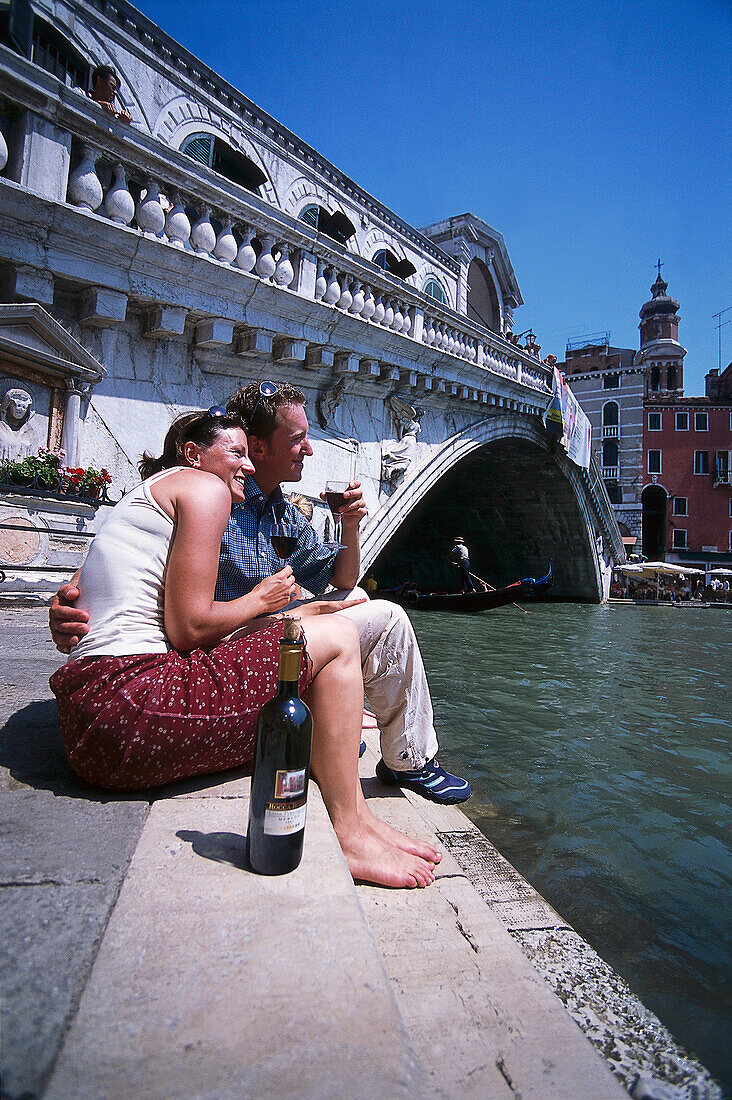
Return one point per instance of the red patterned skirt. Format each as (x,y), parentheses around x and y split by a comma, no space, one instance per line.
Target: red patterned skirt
(130,723)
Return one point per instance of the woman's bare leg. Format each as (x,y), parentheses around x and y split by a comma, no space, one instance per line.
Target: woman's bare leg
(336,700)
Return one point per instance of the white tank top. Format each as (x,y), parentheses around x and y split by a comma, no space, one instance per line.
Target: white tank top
(123,578)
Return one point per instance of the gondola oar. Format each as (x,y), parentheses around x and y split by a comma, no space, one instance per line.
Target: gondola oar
(492,589)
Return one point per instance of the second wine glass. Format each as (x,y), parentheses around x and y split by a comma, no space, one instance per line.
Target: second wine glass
(335,498)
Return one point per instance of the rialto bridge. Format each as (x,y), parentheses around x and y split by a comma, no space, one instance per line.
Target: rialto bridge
(151,267)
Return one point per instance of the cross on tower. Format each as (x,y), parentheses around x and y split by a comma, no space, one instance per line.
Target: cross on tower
(659,265)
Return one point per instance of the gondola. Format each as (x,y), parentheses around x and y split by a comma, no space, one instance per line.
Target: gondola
(528,588)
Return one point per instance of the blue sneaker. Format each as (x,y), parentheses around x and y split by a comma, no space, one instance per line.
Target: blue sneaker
(361,749)
(431,782)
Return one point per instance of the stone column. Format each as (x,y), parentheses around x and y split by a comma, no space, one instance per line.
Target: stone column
(45,153)
(72,420)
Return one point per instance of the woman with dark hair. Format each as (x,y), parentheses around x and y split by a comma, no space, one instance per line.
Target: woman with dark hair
(165,685)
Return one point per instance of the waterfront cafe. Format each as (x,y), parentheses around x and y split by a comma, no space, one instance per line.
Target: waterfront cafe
(637,580)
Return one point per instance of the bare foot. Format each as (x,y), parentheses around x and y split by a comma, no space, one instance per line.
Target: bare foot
(372,859)
(400,840)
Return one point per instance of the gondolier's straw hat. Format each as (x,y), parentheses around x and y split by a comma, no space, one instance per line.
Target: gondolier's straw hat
(458,538)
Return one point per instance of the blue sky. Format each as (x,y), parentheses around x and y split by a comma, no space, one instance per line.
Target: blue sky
(596,139)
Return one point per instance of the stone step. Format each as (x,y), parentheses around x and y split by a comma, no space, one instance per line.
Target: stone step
(214,982)
(482,1021)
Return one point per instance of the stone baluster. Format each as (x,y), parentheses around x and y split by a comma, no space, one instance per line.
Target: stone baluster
(266,264)
(380,310)
(333,291)
(119,204)
(149,214)
(472,350)
(428,332)
(225,249)
(369,304)
(408,320)
(84,188)
(177,225)
(398,319)
(359,299)
(388,317)
(3,151)
(284,272)
(203,234)
(321,283)
(346,299)
(246,257)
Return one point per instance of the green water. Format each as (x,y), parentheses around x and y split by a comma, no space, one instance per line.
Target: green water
(597,740)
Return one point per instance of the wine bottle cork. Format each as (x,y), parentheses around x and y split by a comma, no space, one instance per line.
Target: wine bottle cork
(291,629)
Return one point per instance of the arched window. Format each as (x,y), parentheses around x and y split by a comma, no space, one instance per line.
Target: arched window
(483,305)
(433,290)
(53,53)
(212,151)
(610,414)
(655,378)
(336,226)
(387,261)
(609,454)
(671,378)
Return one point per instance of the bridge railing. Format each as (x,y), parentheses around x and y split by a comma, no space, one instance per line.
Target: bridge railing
(134,181)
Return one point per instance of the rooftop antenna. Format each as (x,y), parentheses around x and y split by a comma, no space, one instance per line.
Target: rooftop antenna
(720,325)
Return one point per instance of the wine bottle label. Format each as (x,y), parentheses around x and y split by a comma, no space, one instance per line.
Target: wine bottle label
(289,784)
(284,818)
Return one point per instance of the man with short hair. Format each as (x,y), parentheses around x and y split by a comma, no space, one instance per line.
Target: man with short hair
(393,672)
(105,88)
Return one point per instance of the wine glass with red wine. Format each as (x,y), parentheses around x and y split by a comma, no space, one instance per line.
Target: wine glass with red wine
(335,498)
(284,540)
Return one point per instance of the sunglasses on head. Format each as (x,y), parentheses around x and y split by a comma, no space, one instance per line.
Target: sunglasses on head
(266,389)
(216,411)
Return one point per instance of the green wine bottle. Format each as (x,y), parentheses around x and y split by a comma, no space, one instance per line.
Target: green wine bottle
(279,796)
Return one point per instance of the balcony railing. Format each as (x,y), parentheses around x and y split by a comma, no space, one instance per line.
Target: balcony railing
(135,181)
(610,431)
(722,476)
(610,473)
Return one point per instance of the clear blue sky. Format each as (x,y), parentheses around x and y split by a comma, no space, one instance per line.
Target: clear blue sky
(596,139)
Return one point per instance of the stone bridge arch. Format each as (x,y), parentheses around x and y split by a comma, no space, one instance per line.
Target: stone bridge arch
(516,499)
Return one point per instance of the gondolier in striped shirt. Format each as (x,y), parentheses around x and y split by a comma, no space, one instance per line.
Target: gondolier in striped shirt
(461,558)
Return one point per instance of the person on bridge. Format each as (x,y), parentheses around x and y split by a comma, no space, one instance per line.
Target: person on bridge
(460,557)
(393,673)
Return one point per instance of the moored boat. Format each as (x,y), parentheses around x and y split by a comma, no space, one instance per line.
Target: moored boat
(410,596)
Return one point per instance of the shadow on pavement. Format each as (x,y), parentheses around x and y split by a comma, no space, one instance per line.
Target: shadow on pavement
(220,847)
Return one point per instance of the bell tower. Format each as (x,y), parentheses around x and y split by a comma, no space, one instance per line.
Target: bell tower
(660,352)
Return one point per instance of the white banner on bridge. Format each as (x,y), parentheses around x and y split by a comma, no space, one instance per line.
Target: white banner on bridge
(568,423)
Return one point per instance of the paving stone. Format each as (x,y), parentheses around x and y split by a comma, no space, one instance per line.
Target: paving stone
(214,982)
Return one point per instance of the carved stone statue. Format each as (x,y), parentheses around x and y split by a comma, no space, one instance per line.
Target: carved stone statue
(328,402)
(17,434)
(396,457)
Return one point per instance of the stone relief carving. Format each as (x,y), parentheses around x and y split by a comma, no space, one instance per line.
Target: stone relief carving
(329,401)
(396,457)
(18,436)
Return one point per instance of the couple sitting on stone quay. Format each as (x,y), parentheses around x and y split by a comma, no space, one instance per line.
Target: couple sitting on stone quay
(173,634)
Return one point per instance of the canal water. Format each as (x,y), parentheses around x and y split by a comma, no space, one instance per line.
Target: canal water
(597,739)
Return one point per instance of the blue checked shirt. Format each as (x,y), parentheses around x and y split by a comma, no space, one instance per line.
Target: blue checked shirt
(247,556)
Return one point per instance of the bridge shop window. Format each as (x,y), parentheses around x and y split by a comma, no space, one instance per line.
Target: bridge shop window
(433,290)
(387,261)
(682,421)
(336,226)
(42,43)
(701,422)
(701,462)
(681,506)
(654,462)
(611,381)
(222,158)
(654,422)
(678,539)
